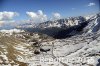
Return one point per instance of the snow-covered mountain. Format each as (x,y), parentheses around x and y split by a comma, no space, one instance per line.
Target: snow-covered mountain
(67,22)
(71,21)
(94,23)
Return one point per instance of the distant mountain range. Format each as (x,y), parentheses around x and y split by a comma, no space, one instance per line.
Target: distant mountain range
(61,23)
(63,28)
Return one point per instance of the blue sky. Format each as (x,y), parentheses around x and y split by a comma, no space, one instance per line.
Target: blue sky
(65,8)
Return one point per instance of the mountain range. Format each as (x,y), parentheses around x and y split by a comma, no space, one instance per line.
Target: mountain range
(65,27)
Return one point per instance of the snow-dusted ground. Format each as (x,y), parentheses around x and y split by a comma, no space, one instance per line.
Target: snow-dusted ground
(75,48)
(80,50)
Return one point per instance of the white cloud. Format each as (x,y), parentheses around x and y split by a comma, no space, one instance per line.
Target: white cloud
(56,16)
(73,8)
(37,17)
(7,15)
(91,4)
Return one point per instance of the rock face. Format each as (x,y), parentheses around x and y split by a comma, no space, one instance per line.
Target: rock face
(71,21)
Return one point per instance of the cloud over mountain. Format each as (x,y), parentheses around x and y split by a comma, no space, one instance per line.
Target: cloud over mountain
(5,15)
(38,16)
(56,16)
